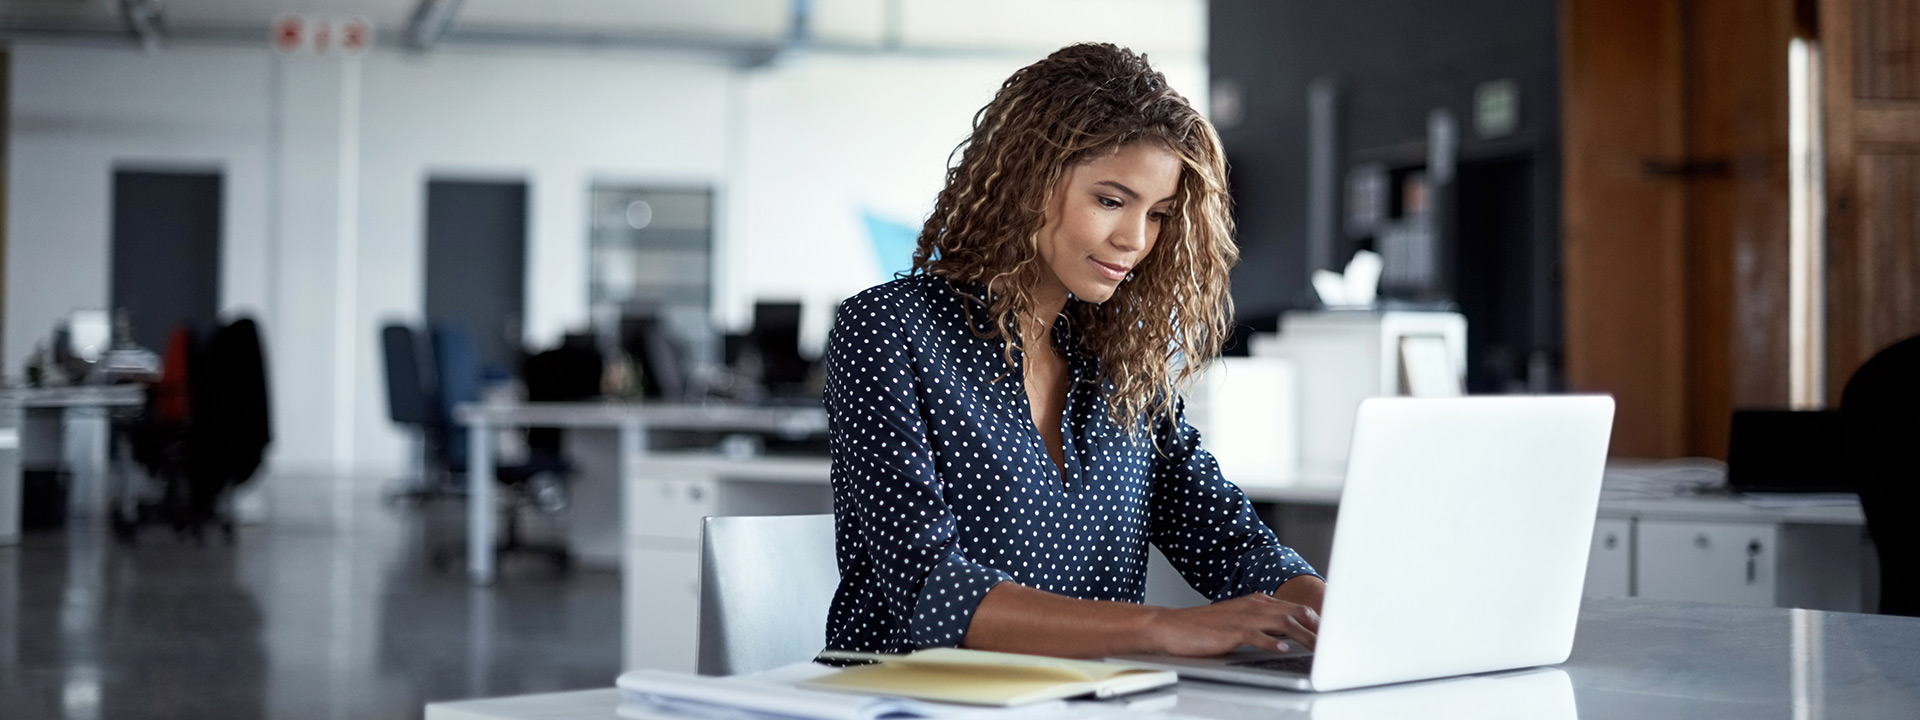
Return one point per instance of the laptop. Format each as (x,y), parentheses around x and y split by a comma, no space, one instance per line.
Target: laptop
(1461,546)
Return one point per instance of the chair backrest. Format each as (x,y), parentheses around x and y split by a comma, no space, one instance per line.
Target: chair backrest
(765,584)
(456,363)
(409,398)
(1882,403)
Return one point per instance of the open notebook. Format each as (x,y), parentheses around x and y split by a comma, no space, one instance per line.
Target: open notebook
(976,677)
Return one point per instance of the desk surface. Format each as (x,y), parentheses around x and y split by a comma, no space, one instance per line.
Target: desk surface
(1634,659)
(76,396)
(1712,507)
(795,421)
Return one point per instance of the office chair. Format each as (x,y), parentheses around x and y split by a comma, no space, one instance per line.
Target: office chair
(457,366)
(765,586)
(1881,404)
(217,444)
(657,355)
(411,404)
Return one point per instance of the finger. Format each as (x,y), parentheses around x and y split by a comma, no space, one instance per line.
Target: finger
(1307,637)
(1308,619)
(1266,641)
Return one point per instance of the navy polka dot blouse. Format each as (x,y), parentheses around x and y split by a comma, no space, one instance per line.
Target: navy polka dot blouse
(942,488)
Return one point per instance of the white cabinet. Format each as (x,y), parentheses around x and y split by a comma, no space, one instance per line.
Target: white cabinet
(661,587)
(1761,564)
(1610,562)
(662,512)
(1729,563)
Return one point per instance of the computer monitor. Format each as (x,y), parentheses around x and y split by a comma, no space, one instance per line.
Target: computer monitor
(776,336)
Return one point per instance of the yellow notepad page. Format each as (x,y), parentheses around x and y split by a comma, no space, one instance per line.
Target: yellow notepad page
(986,678)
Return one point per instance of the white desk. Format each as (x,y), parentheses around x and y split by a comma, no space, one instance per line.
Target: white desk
(1633,659)
(32,430)
(631,420)
(1649,547)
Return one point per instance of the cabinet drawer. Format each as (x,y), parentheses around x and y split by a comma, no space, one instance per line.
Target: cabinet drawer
(1610,561)
(1726,563)
(668,507)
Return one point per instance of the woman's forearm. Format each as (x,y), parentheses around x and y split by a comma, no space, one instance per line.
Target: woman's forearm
(1016,618)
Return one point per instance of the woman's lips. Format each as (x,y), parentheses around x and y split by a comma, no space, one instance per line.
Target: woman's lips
(1113,272)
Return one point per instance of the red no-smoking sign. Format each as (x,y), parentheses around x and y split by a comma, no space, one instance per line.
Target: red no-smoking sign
(298,34)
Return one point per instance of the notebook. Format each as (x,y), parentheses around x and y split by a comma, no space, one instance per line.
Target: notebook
(977,677)
(774,695)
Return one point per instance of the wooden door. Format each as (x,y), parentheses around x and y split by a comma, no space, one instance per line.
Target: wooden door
(1871,52)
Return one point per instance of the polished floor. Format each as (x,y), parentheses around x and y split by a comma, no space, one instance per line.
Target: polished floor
(328,609)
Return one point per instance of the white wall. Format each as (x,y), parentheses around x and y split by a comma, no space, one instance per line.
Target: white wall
(326,162)
(827,136)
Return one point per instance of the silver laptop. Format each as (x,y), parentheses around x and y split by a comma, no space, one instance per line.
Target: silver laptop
(1461,546)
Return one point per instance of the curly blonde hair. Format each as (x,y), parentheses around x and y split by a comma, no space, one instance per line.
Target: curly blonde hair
(1082,103)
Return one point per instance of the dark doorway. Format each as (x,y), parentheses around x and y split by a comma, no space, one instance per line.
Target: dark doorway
(166,250)
(476,263)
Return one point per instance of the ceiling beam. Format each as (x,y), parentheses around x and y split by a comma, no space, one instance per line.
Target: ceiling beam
(142,20)
(430,22)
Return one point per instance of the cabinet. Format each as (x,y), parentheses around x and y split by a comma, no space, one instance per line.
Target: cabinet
(1760,564)
(1610,561)
(1728,563)
(661,514)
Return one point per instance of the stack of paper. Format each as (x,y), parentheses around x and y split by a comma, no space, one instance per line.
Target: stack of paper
(660,695)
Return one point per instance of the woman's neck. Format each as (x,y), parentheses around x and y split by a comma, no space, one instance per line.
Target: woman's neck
(1036,325)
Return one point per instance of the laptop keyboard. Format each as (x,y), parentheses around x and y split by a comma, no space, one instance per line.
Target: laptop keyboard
(1302,664)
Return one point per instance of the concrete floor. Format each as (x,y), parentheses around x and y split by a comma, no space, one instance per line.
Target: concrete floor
(329,609)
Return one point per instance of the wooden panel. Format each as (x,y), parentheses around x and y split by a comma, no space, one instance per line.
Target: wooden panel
(1884,123)
(1738,216)
(1624,254)
(1887,33)
(1873,179)
(1886,257)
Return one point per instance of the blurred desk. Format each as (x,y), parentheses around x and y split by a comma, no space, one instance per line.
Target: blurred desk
(1631,659)
(1667,541)
(631,422)
(34,431)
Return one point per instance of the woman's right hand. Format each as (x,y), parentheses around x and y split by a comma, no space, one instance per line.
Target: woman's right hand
(1258,619)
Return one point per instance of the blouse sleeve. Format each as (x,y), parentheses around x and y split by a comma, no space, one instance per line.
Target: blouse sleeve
(1206,526)
(887,496)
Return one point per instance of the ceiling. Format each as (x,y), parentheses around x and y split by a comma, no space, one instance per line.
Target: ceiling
(926,25)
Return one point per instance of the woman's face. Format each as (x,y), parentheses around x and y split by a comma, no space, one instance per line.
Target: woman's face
(1104,219)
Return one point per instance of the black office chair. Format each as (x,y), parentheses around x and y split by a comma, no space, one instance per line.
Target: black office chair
(219,442)
(1881,403)
(411,403)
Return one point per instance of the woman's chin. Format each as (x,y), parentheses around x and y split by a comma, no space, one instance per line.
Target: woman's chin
(1095,292)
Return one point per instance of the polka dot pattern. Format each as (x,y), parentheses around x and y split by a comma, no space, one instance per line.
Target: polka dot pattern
(942,487)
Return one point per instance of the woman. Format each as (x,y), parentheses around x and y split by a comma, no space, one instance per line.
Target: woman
(1006,434)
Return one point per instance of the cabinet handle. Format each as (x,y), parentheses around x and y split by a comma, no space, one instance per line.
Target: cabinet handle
(1700,541)
(693,492)
(1613,541)
(1753,559)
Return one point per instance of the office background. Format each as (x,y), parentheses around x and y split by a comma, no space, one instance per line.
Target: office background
(1697,206)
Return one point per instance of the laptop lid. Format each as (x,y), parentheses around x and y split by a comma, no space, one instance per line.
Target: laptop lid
(1463,536)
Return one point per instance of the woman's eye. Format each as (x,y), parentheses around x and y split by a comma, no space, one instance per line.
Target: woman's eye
(1158,216)
(1109,203)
